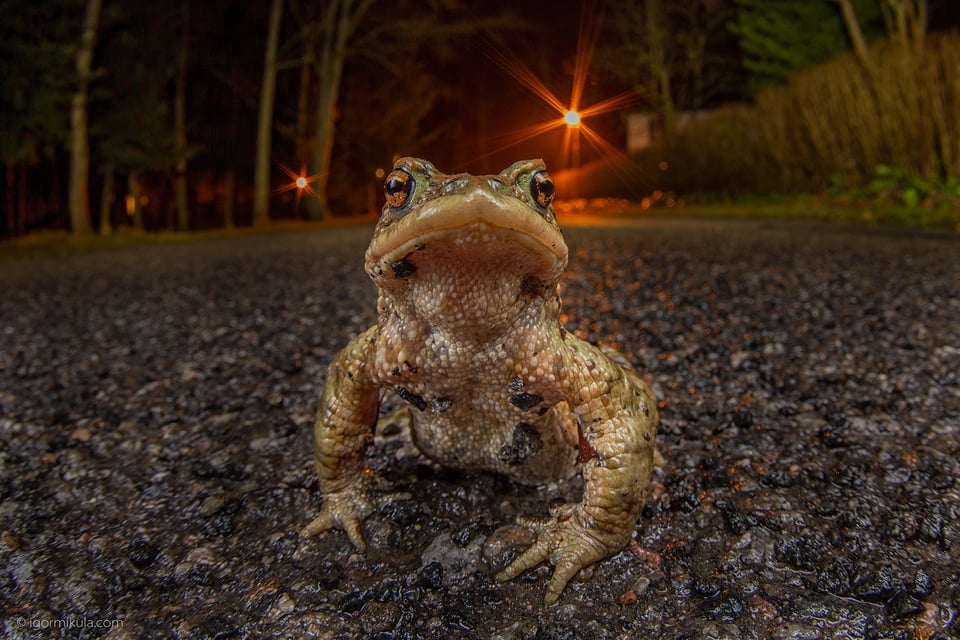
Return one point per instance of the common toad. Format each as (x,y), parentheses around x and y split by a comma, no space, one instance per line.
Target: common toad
(469,335)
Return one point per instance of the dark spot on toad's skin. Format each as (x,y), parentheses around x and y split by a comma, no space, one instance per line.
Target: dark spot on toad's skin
(531,286)
(439,405)
(412,398)
(525,401)
(515,384)
(646,436)
(525,443)
(587,451)
(403,268)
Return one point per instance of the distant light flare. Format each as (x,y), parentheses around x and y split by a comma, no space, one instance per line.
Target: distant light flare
(299,181)
(571,115)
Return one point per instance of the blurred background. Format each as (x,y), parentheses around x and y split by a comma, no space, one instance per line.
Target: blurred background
(198,115)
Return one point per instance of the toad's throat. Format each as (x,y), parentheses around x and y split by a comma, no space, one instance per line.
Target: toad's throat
(475,284)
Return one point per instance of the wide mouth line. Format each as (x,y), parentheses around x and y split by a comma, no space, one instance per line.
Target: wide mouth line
(470,233)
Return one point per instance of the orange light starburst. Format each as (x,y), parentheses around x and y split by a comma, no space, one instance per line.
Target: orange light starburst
(572,116)
(299,181)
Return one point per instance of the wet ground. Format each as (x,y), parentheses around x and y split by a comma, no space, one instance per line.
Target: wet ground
(156,412)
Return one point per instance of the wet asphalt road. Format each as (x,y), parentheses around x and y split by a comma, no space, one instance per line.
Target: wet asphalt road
(155,445)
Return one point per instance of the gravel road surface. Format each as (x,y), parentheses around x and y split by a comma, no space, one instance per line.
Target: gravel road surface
(156,409)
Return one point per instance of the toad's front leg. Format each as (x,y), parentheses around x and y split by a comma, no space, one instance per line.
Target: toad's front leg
(617,420)
(344,428)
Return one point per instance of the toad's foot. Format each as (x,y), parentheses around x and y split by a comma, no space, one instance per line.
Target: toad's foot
(348,508)
(568,542)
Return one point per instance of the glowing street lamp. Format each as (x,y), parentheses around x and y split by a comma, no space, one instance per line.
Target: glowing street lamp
(572,118)
(300,181)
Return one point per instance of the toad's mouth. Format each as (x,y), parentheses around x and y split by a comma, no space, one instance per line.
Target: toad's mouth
(491,240)
(480,248)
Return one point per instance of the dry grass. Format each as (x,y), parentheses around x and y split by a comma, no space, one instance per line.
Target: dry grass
(832,126)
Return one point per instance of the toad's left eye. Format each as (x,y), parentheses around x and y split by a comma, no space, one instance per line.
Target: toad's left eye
(542,189)
(397,187)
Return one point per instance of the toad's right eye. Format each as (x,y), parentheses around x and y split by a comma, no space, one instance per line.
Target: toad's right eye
(397,188)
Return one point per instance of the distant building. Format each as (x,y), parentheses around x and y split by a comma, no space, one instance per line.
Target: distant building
(645,128)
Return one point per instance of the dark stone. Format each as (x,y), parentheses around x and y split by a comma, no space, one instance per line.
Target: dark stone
(804,551)
(737,521)
(877,586)
(922,584)
(353,602)
(142,552)
(431,576)
(727,609)
(557,631)
(903,605)
(742,419)
(836,578)
(459,615)
(329,574)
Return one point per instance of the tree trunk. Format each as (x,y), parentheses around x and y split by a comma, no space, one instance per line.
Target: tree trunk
(11,199)
(79,200)
(261,178)
(659,67)
(22,200)
(318,207)
(106,201)
(855,33)
(906,22)
(302,132)
(340,19)
(229,196)
(134,191)
(180,127)
(303,112)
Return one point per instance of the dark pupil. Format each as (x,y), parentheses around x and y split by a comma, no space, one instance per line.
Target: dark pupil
(544,190)
(395,185)
(397,188)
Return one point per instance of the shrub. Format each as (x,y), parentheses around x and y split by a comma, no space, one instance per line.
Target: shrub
(831,126)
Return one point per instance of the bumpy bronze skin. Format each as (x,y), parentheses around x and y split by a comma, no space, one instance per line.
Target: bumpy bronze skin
(469,335)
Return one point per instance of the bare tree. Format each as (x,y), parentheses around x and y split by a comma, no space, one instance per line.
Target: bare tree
(642,52)
(855,32)
(134,199)
(339,21)
(261,198)
(180,126)
(106,199)
(79,198)
(906,21)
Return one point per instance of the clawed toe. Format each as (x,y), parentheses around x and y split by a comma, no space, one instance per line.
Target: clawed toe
(565,542)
